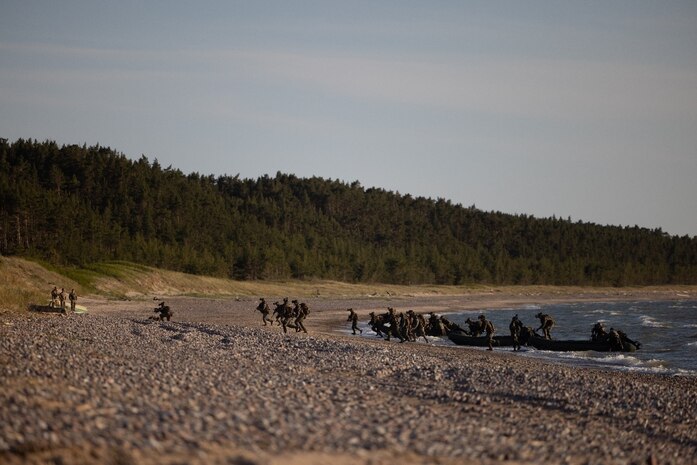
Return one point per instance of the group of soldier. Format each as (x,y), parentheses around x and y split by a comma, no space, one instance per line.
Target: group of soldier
(409,326)
(58,299)
(406,326)
(285,315)
(615,337)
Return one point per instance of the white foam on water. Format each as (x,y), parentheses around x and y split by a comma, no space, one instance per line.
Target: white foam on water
(651,322)
(692,344)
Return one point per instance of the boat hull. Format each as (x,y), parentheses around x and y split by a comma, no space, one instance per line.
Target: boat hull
(462,339)
(575,345)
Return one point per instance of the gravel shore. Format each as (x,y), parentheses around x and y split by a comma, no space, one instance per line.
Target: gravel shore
(214,386)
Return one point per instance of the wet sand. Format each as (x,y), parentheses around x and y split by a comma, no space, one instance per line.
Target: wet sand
(215,386)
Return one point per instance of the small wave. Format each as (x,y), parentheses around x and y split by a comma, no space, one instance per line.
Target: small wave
(652,322)
(692,344)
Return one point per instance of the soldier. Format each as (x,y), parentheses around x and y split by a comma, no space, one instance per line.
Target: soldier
(418,325)
(54,297)
(546,324)
(489,329)
(404,326)
(282,312)
(73,299)
(164,311)
(293,313)
(394,325)
(377,324)
(263,307)
(303,311)
(625,339)
(613,337)
(449,325)
(62,296)
(475,327)
(353,318)
(515,327)
(435,325)
(598,332)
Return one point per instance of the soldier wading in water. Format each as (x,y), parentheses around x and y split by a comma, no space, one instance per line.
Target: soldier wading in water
(489,330)
(546,324)
(515,327)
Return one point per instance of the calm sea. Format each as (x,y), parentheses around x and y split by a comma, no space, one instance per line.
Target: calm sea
(666,329)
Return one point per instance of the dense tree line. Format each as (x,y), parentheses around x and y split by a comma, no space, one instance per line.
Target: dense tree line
(75,205)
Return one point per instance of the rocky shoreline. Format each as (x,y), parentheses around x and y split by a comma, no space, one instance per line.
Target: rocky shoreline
(115,387)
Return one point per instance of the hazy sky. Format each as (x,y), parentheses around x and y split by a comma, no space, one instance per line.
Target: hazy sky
(584,109)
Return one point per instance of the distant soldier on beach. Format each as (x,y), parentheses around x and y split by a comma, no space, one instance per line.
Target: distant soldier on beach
(73,299)
(54,297)
(515,327)
(489,329)
(546,324)
(62,296)
(353,318)
(264,309)
(164,311)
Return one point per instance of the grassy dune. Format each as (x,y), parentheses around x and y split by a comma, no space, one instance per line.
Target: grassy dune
(30,282)
(27,282)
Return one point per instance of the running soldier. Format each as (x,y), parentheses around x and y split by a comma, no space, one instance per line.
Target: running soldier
(435,325)
(303,311)
(546,324)
(394,325)
(353,318)
(515,327)
(377,324)
(264,309)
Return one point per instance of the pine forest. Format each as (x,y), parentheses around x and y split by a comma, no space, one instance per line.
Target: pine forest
(75,205)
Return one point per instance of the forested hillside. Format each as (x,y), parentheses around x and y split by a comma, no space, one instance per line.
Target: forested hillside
(75,205)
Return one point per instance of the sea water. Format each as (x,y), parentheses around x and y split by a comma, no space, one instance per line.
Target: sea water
(667,331)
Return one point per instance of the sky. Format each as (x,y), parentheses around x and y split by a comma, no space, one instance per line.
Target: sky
(576,109)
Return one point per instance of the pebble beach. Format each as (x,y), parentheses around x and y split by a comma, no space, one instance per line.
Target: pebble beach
(215,386)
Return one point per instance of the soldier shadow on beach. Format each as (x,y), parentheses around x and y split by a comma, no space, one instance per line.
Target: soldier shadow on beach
(45,309)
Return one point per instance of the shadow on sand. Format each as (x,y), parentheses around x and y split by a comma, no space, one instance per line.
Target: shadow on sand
(45,309)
